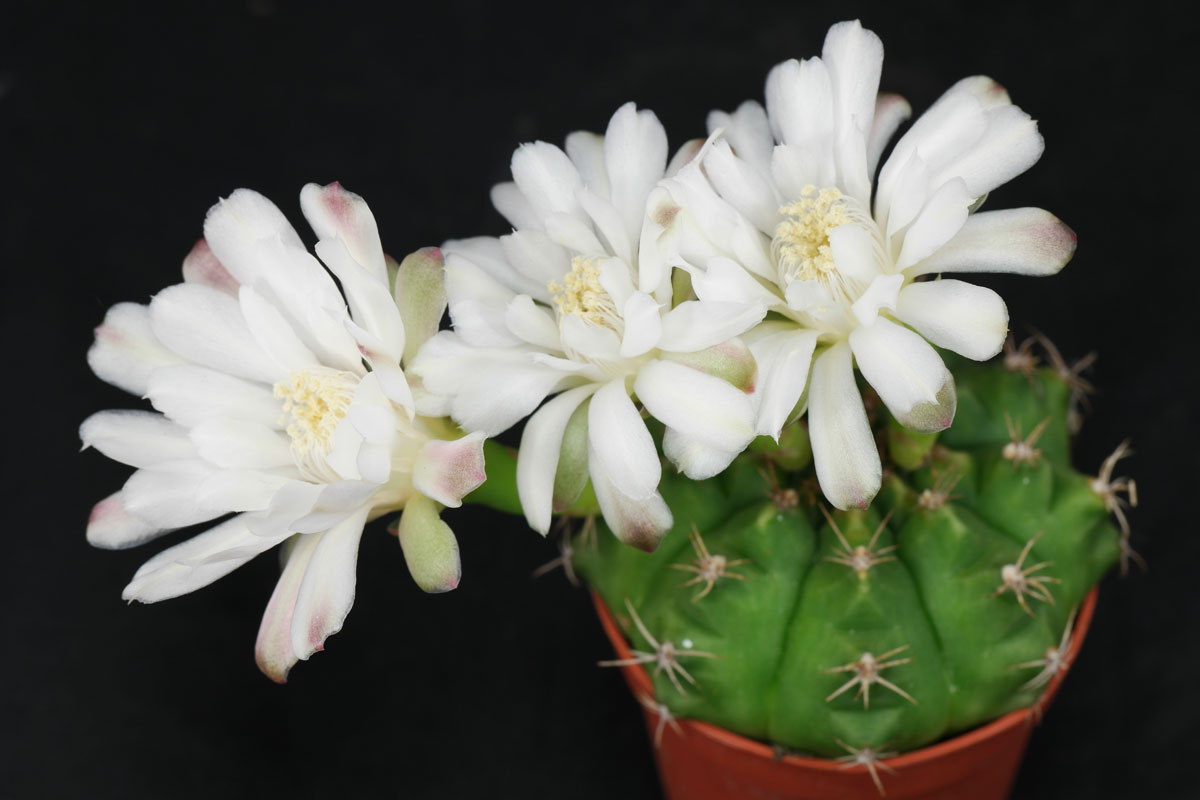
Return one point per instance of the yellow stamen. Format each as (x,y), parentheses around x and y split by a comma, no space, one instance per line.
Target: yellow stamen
(801,243)
(314,402)
(581,295)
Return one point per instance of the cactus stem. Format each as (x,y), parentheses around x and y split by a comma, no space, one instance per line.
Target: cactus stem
(665,717)
(1020,358)
(566,554)
(665,656)
(868,757)
(860,558)
(708,568)
(940,493)
(1056,660)
(866,671)
(1109,489)
(1022,581)
(1020,450)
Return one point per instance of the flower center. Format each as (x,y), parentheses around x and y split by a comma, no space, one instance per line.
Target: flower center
(581,295)
(801,244)
(315,400)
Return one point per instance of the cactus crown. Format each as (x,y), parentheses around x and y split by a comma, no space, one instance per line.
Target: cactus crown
(945,604)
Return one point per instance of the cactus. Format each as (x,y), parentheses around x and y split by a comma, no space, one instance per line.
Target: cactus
(943,605)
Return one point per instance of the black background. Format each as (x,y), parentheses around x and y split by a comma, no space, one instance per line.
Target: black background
(122,124)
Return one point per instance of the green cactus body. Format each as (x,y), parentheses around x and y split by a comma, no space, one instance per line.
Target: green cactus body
(897,631)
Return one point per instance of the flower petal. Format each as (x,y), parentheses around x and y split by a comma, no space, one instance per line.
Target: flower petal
(748,132)
(448,471)
(635,155)
(273,649)
(891,110)
(970,320)
(699,406)
(336,214)
(430,548)
(638,522)
(477,303)
(619,442)
(196,562)
(586,151)
(538,459)
(175,494)
(202,267)
(273,333)
(327,590)
(942,217)
(206,326)
(189,394)
(643,325)
(909,375)
(136,438)
(847,462)
(1024,241)
(111,527)
(743,187)
(372,305)
(241,444)
(126,351)
(696,325)
(547,178)
(515,207)
(784,360)
(533,323)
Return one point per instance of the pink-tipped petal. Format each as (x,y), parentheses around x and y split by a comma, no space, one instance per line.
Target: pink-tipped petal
(273,649)
(111,527)
(335,213)
(1023,241)
(126,351)
(202,266)
(327,590)
(447,471)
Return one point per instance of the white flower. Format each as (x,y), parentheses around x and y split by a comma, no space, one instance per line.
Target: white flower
(576,300)
(269,412)
(778,210)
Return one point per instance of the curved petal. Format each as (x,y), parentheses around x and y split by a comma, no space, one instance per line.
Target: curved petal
(695,325)
(336,214)
(126,351)
(640,522)
(196,562)
(201,266)
(748,132)
(586,151)
(326,592)
(537,463)
(206,326)
(547,178)
(273,648)
(643,325)
(942,217)
(697,405)
(1023,241)
(515,207)
(111,527)
(189,394)
(635,155)
(620,444)
(909,375)
(844,453)
(970,320)
(447,471)
(136,438)
(477,303)
(693,457)
(891,110)
(783,361)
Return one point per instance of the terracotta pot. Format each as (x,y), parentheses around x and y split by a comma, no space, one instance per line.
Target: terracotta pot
(704,762)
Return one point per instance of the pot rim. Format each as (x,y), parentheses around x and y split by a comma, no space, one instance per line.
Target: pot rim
(639,681)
